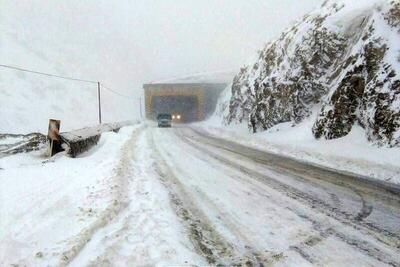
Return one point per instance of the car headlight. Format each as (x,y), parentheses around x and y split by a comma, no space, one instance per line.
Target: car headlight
(173,116)
(178,117)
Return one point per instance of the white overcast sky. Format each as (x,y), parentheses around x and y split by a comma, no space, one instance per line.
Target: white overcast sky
(130,42)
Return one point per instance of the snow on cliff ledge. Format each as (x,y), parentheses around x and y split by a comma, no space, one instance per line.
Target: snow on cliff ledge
(341,61)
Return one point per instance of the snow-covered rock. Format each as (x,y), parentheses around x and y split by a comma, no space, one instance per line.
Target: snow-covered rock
(342,58)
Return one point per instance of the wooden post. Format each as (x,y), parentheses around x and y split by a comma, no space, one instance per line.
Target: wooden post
(99,97)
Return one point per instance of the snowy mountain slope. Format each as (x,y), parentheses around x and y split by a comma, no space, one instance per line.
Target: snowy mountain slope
(27,100)
(342,58)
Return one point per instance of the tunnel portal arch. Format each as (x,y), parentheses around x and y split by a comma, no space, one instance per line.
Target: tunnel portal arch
(201,97)
(187,106)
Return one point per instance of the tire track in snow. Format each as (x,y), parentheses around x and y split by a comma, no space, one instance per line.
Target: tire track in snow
(205,238)
(343,217)
(119,194)
(300,248)
(390,238)
(146,232)
(366,209)
(263,257)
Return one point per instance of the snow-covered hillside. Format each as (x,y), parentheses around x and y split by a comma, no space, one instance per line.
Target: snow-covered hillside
(28,100)
(339,66)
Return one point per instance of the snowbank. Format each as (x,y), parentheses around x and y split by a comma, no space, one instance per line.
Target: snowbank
(86,211)
(352,153)
(47,207)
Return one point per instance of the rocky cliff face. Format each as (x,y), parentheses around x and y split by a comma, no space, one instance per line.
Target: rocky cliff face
(343,59)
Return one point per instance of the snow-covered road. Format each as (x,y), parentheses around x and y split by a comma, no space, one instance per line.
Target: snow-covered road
(186,198)
(269,209)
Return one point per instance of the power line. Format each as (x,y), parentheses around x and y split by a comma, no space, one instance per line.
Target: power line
(115,92)
(47,74)
(62,77)
(99,85)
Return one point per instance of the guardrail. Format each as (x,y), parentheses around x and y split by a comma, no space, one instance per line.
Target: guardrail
(79,141)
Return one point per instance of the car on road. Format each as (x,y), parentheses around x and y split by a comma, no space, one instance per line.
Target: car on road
(164,120)
(176,117)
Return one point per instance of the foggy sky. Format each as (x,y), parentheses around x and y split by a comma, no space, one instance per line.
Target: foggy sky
(127,43)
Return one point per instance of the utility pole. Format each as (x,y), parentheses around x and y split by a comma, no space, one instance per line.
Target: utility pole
(140,105)
(99,97)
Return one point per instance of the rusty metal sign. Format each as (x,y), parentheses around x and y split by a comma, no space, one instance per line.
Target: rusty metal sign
(54,130)
(54,137)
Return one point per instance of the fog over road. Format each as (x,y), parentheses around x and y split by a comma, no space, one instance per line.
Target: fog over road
(237,205)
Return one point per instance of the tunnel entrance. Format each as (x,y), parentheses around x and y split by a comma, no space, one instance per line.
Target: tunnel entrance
(192,101)
(185,106)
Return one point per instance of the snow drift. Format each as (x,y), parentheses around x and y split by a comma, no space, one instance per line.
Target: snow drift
(341,60)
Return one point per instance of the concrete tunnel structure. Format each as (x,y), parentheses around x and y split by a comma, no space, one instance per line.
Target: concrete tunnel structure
(192,101)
